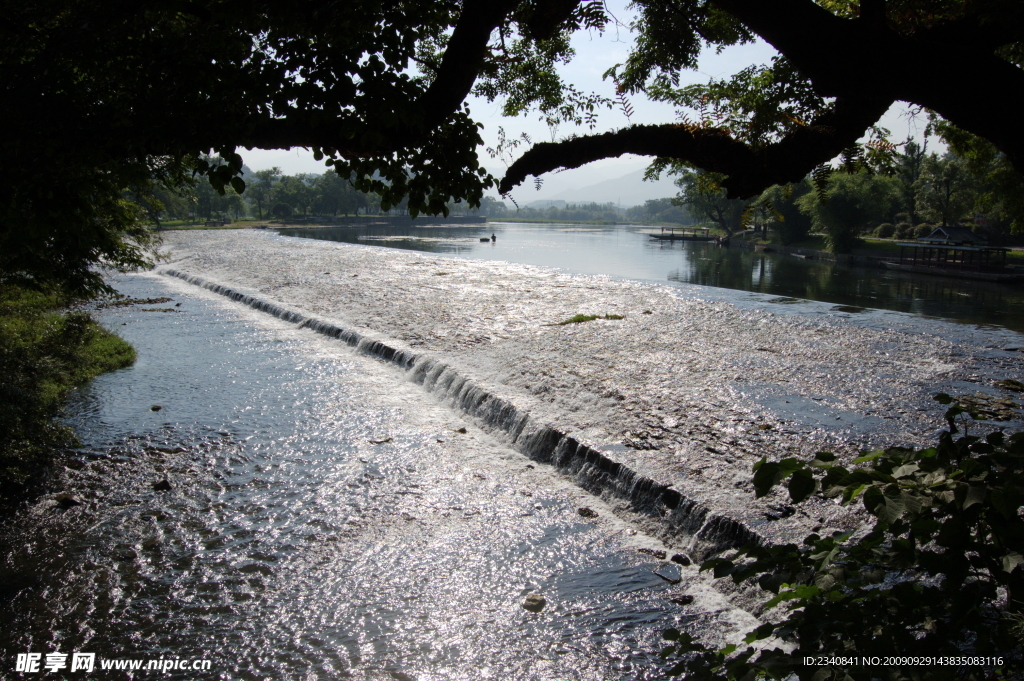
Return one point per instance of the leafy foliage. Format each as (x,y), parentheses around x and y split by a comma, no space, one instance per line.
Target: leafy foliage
(789,222)
(758,105)
(57,223)
(704,197)
(669,40)
(850,202)
(946,191)
(1000,189)
(939,574)
(126,100)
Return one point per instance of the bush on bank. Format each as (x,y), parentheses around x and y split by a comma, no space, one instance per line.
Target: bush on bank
(935,589)
(45,352)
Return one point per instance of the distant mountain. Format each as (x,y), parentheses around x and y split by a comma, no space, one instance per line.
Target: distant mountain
(627,190)
(547,203)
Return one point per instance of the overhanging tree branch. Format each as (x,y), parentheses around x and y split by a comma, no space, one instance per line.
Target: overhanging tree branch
(465,54)
(750,169)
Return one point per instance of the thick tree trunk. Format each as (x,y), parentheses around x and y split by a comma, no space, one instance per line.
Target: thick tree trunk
(951,71)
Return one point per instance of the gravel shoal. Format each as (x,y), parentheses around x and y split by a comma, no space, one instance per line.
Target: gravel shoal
(687,391)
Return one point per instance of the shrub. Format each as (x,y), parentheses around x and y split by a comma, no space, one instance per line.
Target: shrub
(904,230)
(923,229)
(924,582)
(885,230)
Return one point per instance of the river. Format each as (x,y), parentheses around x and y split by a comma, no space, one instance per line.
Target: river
(326,519)
(263,499)
(624,251)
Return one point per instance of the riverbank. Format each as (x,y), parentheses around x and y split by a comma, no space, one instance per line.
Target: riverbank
(45,352)
(684,392)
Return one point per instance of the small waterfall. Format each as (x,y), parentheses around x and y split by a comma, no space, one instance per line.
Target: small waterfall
(661,510)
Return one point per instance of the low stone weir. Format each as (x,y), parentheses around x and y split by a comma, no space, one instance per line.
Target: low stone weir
(662,510)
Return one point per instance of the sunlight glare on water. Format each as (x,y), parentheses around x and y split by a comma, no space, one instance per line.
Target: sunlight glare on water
(325,520)
(626,251)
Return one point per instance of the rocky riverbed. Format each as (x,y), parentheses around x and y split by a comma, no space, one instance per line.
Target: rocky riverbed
(685,389)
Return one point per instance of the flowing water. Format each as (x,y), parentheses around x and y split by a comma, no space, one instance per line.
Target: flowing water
(325,520)
(627,252)
(268,500)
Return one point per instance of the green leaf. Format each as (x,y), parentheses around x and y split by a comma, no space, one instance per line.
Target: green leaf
(1006,501)
(887,505)
(770,473)
(823,460)
(1012,560)
(763,631)
(764,477)
(942,398)
(801,485)
(975,495)
(802,592)
(905,470)
(869,457)
(852,493)
(238,184)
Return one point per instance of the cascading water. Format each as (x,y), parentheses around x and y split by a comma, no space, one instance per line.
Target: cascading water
(323,519)
(663,511)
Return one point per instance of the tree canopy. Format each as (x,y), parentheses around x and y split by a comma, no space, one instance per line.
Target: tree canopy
(128,95)
(842,64)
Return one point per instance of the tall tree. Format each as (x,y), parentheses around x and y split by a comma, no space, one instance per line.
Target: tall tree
(907,167)
(261,189)
(1000,188)
(295,191)
(703,195)
(853,203)
(785,217)
(945,191)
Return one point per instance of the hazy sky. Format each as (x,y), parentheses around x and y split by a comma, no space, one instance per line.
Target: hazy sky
(595,53)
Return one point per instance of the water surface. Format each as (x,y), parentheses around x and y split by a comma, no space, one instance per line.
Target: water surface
(326,520)
(628,252)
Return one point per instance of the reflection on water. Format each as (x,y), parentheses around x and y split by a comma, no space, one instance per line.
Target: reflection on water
(853,289)
(626,252)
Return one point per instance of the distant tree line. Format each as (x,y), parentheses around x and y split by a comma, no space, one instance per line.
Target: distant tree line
(269,193)
(902,194)
(272,194)
(654,210)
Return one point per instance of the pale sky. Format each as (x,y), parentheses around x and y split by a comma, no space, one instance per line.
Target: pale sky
(595,53)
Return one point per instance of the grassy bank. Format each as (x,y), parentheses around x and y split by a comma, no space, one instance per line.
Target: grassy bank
(45,352)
